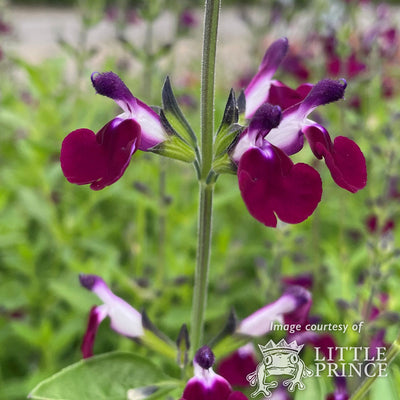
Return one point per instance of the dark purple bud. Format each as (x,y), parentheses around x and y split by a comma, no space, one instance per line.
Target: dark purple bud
(87,281)
(110,85)
(266,118)
(205,357)
(324,92)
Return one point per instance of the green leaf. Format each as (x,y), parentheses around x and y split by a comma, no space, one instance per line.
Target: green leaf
(175,148)
(174,116)
(226,139)
(107,376)
(231,113)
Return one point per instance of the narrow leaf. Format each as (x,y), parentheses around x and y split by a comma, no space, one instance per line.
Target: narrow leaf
(227,139)
(174,115)
(231,114)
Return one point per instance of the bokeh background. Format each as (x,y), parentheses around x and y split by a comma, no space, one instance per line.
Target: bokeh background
(140,233)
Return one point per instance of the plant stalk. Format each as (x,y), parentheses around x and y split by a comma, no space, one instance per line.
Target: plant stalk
(211,17)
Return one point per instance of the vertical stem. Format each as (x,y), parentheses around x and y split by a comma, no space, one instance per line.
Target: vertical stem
(207,84)
(212,8)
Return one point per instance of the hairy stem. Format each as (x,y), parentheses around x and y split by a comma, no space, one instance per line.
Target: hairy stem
(212,8)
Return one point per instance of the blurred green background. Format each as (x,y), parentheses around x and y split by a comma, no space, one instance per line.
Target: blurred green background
(140,233)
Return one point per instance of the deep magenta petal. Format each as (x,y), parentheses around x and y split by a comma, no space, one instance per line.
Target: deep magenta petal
(347,164)
(343,157)
(300,194)
(237,366)
(196,389)
(94,321)
(271,184)
(82,159)
(284,96)
(99,159)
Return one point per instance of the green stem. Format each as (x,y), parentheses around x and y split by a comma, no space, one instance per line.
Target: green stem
(212,8)
(363,389)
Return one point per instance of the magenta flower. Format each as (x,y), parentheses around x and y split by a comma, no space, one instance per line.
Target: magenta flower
(124,318)
(101,159)
(270,183)
(238,365)
(291,308)
(206,384)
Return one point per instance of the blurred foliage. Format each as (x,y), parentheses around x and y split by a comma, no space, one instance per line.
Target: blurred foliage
(50,230)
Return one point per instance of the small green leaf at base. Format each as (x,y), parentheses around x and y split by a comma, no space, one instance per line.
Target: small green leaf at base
(108,376)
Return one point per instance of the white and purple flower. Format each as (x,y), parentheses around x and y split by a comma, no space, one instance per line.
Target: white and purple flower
(101,159)
(291,308)
(206,384)
(270,183)
(124,318)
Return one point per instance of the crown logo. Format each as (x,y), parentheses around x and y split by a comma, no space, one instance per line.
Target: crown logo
(282,345)
(278,360)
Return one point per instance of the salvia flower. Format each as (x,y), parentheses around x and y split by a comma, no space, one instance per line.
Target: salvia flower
(206,384)
(124,318)
(292,308)
(270,183)
(101,159)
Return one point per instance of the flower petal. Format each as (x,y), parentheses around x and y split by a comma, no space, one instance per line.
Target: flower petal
(293,306)
(206,384)
(271,184)
(284,96)
(124,318)
(303,304)
(111,85)
(99,159)
(97,314)
(324,92)
(238,365)
(343,157)
(257,91)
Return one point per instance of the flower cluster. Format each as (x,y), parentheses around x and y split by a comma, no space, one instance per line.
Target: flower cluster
(270,183)
(272,186)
